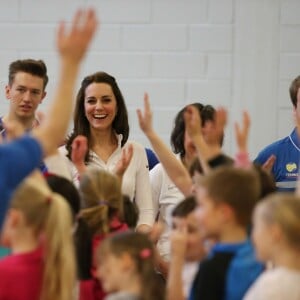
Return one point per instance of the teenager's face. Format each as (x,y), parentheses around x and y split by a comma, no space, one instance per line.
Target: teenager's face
(25,94)
(110,272)
(262,238)
(100,106)
(208,214)
(195,248)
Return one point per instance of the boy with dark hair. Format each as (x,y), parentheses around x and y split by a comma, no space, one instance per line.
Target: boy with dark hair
(27,80)
(226,198)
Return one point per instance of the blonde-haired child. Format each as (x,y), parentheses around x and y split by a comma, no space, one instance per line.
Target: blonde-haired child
(276,236)
(38,229)
(103,213)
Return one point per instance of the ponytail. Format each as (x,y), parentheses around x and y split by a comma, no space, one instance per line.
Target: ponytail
(102,197)
(96,218)
(60,270)
(49,215)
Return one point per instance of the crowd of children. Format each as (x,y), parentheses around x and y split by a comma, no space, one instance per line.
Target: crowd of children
(84,224)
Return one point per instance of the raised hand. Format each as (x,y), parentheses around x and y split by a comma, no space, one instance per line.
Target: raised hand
(79,150)
(268,165)
(73,44)
(213,131)
(242,132)
(145,117)
(124,161)
(193,122)
(179,242)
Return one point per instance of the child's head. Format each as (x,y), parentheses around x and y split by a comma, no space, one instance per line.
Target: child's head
(126,262)
(276,223)
(102,199)
(226,195)
(45,218)
(184,215)
(67,189)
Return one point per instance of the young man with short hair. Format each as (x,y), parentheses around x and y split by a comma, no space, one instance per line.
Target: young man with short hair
(27,80)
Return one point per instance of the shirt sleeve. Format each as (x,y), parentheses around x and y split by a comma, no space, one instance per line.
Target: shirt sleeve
(143,196)
(156,180)
(17,160)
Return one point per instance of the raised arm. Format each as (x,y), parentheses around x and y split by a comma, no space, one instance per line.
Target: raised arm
(207,139)
(174,168)
(241,137)
(72,46)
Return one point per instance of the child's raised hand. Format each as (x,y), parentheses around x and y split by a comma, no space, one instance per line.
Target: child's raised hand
(193,122)
(179,242)
(242,132)
(213,131)
(72,45)
(269,163)
(124,161)
(145,118)
(79,150)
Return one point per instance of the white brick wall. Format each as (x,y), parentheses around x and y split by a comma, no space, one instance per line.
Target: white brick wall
(235,53)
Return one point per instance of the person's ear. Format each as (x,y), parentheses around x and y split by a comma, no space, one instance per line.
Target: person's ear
(226,211)
(44,93)
(276,233)
(7,91)
(126,262)
(15,218)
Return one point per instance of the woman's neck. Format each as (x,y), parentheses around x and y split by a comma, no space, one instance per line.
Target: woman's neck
(103,137)
(104,143)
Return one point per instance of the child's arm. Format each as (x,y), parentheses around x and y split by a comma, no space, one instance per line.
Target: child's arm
(208,146)
(72,47)
(174,168)
(178,249)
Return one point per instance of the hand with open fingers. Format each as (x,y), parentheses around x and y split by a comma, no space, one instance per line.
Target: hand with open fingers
(242,132)
(214,130)
(79,150)
(124,161)
(268,165)
(72,45)
(145,117)
(193,122)
(179,242)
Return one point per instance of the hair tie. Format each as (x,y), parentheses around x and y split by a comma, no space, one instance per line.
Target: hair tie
(145,253)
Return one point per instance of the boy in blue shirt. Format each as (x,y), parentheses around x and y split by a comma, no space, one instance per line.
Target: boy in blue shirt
(226,197)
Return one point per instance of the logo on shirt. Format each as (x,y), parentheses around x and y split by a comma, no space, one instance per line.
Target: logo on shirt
(290,167)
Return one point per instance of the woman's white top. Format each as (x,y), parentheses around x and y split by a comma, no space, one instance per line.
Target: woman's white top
(136,181)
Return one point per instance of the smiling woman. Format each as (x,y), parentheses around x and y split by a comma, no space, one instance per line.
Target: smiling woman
(101,116)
